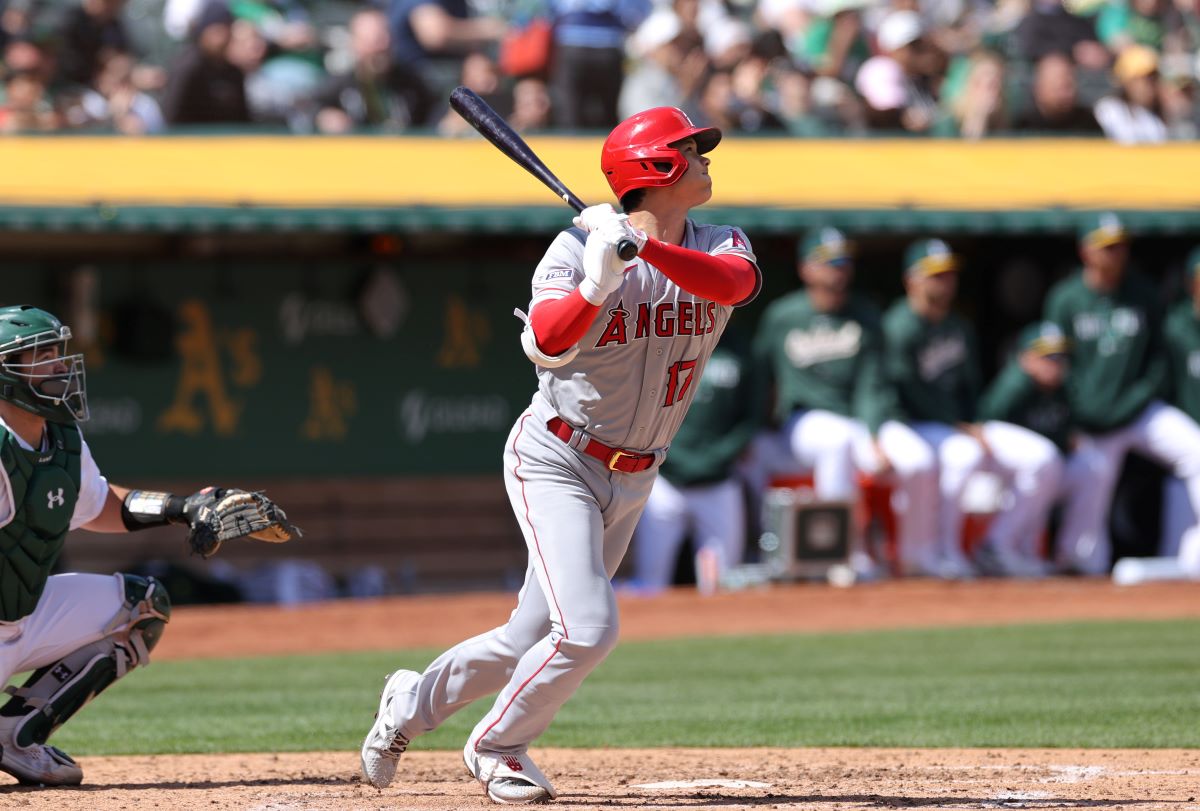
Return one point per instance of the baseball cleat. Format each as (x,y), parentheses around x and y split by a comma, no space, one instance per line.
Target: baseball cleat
(508,779)
(40,765)
(384,744)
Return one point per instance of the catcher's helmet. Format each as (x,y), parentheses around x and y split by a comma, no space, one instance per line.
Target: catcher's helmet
(55,389)
(638,153)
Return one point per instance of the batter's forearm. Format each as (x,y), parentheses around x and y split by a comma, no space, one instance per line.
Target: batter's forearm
(559,324)
(726,278)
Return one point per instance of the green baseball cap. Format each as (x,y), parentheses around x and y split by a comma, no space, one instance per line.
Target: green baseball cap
(1101,230)
(929,257)
(826,246)
(1192,264)
(1044,338)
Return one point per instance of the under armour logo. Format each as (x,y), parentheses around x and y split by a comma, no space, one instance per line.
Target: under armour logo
(54,499)
(61,672)
(513,763)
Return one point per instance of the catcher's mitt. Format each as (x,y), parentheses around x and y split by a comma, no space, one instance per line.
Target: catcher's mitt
(216,515)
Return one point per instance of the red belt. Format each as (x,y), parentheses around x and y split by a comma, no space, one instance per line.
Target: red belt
(613,458)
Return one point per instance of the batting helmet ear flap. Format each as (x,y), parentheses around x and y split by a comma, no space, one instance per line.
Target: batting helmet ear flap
(639,154)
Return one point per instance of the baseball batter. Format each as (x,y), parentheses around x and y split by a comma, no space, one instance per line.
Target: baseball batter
(78,633)
(619,347)
(1118,369)
(932,359)
(822,349)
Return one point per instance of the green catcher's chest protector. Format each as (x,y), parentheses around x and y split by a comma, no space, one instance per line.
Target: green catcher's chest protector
(45,487)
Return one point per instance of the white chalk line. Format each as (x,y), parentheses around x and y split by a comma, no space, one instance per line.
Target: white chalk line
(667,785)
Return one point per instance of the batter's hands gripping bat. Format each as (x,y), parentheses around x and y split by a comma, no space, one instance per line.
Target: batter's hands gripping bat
(479,114)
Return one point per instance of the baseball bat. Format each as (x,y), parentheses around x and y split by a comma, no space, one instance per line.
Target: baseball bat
(480,115)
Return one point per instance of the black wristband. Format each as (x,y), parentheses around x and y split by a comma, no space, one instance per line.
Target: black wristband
(143,509)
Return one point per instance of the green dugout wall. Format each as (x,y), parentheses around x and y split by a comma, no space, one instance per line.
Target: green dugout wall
(310,308)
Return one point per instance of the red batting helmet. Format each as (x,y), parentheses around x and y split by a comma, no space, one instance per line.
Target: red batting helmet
(638,153)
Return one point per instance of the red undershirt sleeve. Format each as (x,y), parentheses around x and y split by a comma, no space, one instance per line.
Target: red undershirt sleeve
(725,278)
(558,324)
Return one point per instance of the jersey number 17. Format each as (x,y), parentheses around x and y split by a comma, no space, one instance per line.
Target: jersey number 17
(679,379)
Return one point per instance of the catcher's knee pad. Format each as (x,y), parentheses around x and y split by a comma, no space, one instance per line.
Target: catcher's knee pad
(55,692)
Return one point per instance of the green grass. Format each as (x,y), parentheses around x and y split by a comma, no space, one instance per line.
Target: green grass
(1078,685)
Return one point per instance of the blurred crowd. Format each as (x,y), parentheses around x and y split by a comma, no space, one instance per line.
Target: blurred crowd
(834,400)
(1126,69)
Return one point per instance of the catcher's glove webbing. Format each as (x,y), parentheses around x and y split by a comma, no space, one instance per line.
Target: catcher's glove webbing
(216,515)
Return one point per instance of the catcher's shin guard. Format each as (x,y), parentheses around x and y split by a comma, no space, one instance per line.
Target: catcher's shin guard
(55,692)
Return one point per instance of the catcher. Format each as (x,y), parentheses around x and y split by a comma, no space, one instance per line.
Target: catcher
(78,633)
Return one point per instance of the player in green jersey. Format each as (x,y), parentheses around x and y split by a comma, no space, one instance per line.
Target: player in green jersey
(1119,367)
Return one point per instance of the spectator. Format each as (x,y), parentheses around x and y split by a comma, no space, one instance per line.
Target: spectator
(979,109)
(716,102)
(376,92)
(669,66)
(431,38)
(1112,318)
(205,87)
(588,59)
(282,23)
(1177,97)
(1056,108)
(900,84)
(88,30)
(26,107)
(826,38)
(280,87)
(1049,28)
(531,105)
(747,106)
(696,490)
(1029,392)
(794,98)
(1122,23)
(23,56)
(1134,114)
(930,356)
(728,45)
(117,104)
(479,73)
(820,350)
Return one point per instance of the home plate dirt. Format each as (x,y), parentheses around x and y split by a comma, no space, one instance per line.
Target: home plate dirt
(821,779)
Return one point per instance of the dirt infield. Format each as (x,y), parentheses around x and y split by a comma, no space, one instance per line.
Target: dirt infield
(822,779)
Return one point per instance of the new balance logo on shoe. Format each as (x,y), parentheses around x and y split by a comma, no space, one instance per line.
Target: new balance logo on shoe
(513,763)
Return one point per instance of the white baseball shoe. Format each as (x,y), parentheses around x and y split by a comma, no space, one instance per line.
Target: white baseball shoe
(384,744)
(508,779)
(39,765)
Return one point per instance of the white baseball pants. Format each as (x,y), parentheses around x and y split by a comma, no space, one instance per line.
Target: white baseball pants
(715,514)
(1163,433)
(836,448)
(1029,465)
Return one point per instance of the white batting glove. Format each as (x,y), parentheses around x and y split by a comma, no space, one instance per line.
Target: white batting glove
(603,269)
(591,217)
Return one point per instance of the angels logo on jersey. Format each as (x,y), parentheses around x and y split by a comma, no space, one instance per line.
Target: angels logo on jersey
(667,320)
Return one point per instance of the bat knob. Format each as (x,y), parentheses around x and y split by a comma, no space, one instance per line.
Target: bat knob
(627,249)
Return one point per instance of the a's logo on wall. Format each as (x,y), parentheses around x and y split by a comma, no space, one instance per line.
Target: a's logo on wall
(202,393)
(330,403)
(55,498)
(466,329)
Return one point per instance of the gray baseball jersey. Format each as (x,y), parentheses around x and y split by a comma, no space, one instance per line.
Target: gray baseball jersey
(635,374)
(629,386)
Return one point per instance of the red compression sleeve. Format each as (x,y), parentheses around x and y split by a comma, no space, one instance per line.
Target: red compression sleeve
(558,324)
(725,279)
